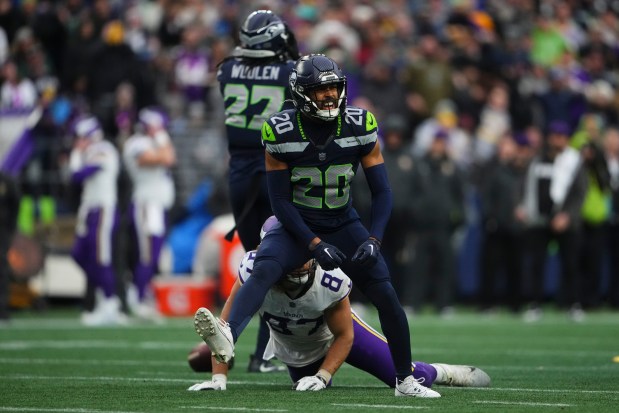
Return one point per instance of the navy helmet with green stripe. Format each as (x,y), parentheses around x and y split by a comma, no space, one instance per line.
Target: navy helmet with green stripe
(312,72)
(264,35)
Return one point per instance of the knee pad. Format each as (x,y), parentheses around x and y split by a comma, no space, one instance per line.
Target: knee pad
(266,272)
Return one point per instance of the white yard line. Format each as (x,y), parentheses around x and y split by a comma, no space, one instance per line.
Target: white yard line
(533,404)
(18,345)
(74,324)
(510,389)
(276,383)
(24,344)
(377,406)
(235,409)
(59,410)
(93,362)
(99,378)
(95,344)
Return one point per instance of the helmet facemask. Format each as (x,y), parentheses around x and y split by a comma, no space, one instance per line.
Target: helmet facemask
(327,99)
(297,279)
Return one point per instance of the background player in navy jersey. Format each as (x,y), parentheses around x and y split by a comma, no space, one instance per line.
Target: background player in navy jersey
(254,85)
(312,154)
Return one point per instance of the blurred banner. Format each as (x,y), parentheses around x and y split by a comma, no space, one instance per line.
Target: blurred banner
(16,143)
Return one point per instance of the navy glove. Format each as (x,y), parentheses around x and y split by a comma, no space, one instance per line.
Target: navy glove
(328,256)
(367,253)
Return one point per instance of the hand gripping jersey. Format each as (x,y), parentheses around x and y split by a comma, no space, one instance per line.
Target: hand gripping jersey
(322,159)
(299,332)
(252,93)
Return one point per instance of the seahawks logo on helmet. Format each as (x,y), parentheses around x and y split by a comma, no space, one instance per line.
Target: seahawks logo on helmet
(263,34)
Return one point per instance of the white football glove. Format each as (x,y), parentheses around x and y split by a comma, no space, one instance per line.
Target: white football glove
(310,383)
(217,383)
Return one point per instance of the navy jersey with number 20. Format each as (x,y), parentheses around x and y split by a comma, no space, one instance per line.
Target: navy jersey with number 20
(321,176)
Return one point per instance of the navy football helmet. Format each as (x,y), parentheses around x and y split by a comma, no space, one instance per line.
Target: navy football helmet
(313,72)
(263,34)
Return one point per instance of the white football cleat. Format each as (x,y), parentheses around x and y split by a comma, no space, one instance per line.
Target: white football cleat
(460,376)
(215,333)
(409,387)
(106,313)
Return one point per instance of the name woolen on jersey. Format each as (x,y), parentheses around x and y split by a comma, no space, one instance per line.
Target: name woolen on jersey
(241,71)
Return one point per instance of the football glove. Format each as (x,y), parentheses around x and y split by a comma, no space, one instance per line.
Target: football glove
(328,256)
(310,383)
(217,383)
(367,253)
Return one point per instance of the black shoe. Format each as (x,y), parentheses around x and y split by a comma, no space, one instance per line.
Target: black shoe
(258,365)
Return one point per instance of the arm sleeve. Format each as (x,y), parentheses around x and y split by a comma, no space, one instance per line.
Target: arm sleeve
(382,200)
(87,171)
(278,183)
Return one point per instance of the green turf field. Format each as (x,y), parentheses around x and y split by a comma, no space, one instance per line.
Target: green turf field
(50,363)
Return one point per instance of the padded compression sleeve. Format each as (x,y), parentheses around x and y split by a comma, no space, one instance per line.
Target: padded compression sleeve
(278,183)
(382,200)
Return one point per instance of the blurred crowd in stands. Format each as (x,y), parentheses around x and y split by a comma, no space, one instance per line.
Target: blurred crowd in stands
(498,122)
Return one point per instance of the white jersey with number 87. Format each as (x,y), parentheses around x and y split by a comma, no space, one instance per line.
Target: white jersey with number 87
(299,333)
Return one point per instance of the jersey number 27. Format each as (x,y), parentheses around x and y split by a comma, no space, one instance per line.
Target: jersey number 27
(241,98)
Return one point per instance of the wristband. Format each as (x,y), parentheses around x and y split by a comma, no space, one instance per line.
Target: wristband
(219,378)
(324,375)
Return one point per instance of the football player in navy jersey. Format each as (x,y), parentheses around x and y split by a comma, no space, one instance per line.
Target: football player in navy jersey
(254,85)
(312,154)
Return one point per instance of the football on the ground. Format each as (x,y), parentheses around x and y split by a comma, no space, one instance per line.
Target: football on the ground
(199,359)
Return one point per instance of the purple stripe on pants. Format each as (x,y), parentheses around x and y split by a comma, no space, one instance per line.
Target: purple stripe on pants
(149,249)
(370,353)
(86,247)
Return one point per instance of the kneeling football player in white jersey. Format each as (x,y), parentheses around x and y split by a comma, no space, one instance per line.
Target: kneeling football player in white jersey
(314,330)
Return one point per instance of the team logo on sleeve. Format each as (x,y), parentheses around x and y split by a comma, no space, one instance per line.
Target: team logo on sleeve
(370,122)
(267,133)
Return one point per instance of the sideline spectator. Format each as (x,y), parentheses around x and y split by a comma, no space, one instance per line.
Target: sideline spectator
(611,152)
(554,192)
(501,190)
(437,208)
(9,205)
